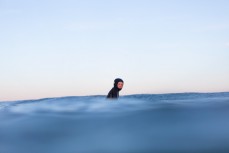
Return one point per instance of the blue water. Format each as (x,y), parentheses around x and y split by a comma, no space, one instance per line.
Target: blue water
(146,123)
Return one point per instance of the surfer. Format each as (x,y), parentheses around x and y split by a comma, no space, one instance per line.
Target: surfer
(114,92)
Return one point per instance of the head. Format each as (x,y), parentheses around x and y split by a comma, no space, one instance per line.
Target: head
(118,83)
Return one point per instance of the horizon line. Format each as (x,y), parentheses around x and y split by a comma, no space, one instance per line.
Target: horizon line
(37,99)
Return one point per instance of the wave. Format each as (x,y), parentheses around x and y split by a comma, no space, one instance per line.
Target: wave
(99,103)
(181,122)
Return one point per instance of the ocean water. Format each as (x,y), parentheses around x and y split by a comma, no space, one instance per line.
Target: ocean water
(144,123)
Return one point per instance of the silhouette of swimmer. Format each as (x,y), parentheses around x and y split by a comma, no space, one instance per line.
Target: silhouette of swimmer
(114,92)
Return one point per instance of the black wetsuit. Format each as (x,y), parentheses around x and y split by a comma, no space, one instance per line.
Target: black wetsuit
(114,92)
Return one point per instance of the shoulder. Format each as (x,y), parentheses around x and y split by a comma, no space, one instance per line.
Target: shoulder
(110,94)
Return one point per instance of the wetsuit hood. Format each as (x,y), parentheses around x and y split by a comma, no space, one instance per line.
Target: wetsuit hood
(116,81)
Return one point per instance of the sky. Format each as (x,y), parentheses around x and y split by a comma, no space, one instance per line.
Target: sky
(55,48)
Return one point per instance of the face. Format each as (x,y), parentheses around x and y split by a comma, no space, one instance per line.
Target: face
(120,85)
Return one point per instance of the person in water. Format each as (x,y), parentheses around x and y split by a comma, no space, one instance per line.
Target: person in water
(114,92)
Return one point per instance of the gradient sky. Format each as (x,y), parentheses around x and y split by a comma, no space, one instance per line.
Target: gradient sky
(53,48)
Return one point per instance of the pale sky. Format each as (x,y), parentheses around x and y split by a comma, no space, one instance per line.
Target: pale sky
(54,48)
